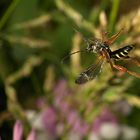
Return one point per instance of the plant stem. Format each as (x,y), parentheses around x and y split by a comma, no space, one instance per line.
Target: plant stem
(113,14)
(8,13)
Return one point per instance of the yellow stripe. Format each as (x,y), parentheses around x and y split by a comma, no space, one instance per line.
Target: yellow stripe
(122,54)
(126,51)
(117,55)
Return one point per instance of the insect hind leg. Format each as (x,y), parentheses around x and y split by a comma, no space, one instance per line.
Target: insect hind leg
(125,70)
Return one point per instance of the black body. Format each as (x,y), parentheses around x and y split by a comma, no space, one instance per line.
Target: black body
(121,53)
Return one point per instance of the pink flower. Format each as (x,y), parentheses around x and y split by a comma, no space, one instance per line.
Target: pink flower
(49,118)
(61,88)
(32,135)
(123,107)
(84,129)
(18,131)
(64,107)
(78,125)
(106,116)
(72,117)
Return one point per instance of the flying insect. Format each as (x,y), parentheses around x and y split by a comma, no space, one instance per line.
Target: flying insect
(102,48)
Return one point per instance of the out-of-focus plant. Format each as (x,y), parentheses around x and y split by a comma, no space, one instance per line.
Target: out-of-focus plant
(41,92)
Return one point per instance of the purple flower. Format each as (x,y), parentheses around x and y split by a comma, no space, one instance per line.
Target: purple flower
(18,131)
(32,135)
(106,116)
(72,117)
(57,101)
(61,88)
(123,107)
(64,106)
(84,129)
(60,92)
(49,118)
(78,125)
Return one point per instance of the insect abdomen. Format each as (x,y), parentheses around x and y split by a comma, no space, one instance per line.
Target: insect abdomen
(121,53)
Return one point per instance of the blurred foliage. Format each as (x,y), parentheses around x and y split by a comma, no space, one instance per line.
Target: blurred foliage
(34,37)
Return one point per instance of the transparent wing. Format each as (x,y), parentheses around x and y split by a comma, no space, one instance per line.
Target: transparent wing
(91,72)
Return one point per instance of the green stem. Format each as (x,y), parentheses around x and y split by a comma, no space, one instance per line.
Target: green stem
(113,14)
(76,17)
(8,13)
(103,6)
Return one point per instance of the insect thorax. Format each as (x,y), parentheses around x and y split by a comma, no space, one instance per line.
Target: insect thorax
(96,45)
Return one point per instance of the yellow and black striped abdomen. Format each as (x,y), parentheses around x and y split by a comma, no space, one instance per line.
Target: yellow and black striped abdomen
(121,53)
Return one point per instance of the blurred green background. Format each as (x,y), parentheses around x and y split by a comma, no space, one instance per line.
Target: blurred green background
(35,35)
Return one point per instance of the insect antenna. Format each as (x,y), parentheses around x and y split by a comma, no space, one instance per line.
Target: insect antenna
(83,37)
(64,58)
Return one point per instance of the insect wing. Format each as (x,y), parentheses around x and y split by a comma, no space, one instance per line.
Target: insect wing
(90,73)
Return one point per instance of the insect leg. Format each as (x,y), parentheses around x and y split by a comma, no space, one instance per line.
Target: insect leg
(124,70)
(113,38)
(107,56)
(135,61)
